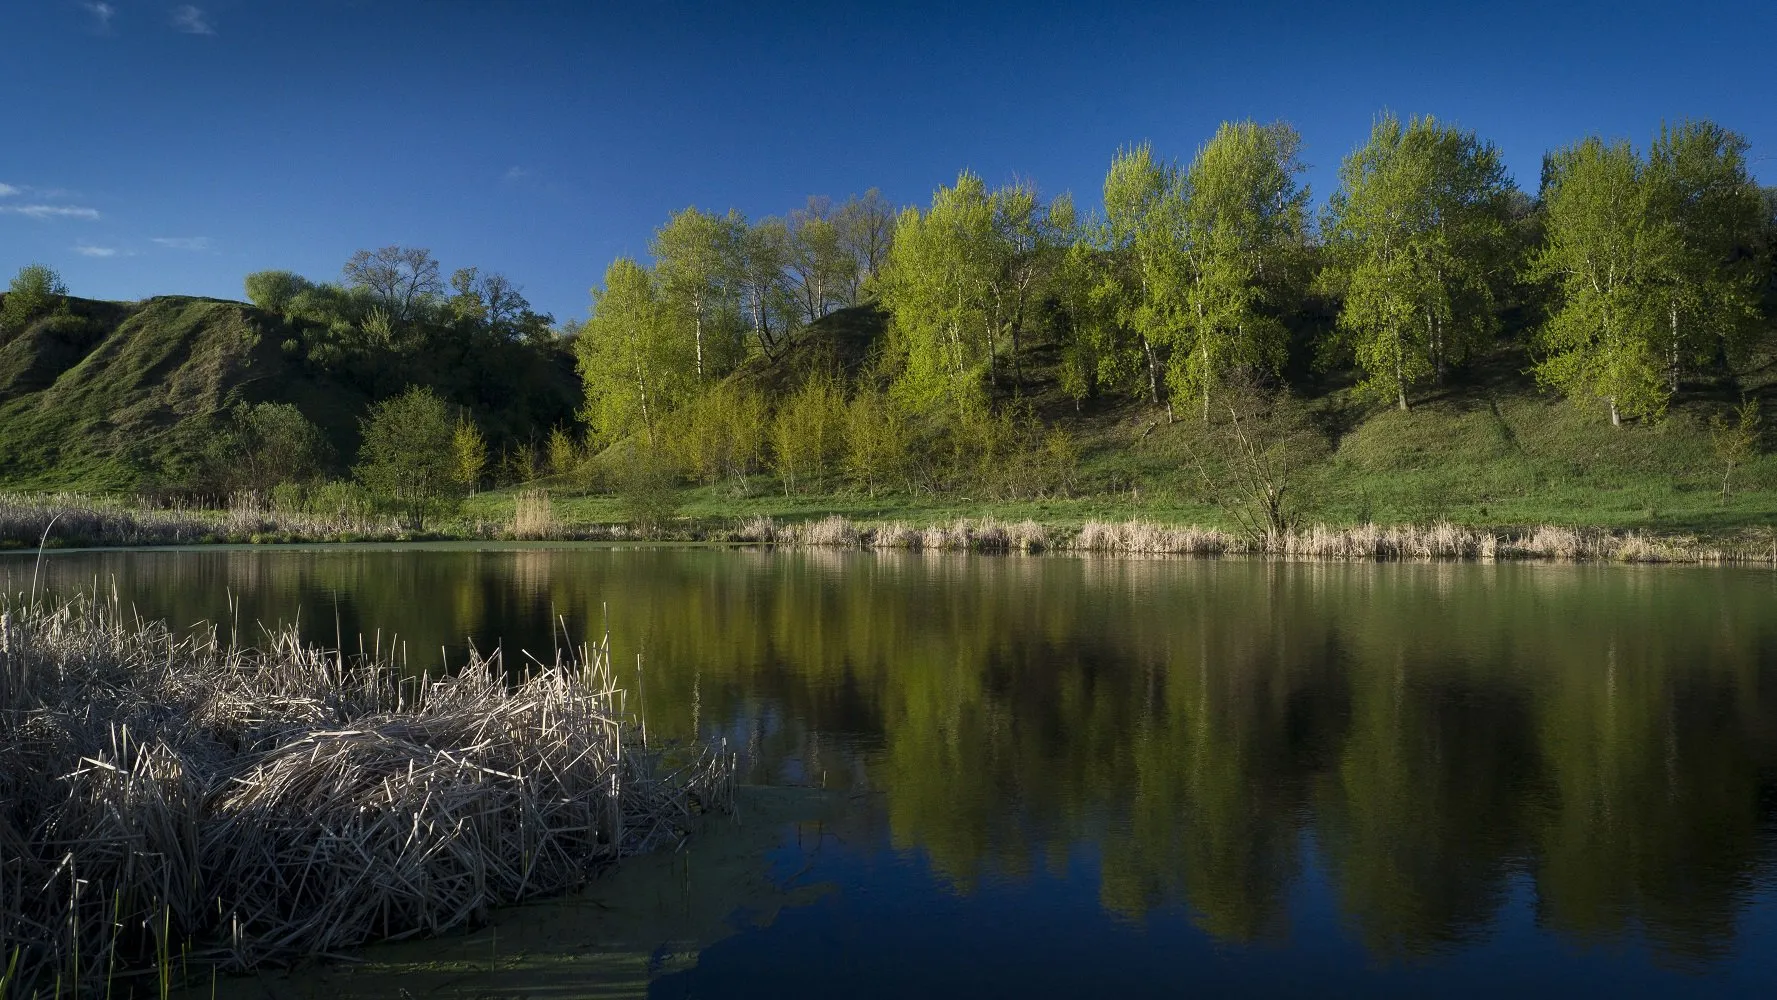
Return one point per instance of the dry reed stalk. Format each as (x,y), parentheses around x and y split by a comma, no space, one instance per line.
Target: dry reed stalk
(163,792)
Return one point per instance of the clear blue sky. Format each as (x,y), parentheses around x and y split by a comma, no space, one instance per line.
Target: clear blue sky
(153,147)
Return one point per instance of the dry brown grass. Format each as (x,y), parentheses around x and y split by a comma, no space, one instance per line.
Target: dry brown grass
(166,796)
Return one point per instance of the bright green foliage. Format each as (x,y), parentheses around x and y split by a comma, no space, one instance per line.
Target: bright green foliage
(878,439)
(468,454)
(274,291)
(35,291)
(1417,236)
(695,254)
(1144,264)
(408,459)
(634,368)
(1098,351)
(564,451)
(1244,233)
(1712,213)
(937,287)
(808,433)
(964,278)
(1605,250)
(720,434)
(1029,248)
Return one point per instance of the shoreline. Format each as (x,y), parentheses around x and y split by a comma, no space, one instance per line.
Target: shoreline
(64,522)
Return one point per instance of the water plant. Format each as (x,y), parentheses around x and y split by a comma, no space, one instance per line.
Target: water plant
(172,794)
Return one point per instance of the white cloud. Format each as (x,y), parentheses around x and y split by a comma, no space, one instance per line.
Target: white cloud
(183,242)
(101,12)
(192,21)
(87,250)
(53,211)
(7,189)
(513,174)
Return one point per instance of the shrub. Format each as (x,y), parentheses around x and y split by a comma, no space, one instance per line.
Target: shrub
(647,490)
(35,291)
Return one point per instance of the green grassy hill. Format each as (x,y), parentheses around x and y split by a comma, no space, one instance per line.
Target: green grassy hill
(124,396)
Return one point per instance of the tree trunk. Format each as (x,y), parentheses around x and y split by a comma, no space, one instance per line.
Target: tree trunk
(1205,383)
(1017,361)
(1400,377)
(1673,308)
(700,345)
(1434,332)
(1616,419)
(1153,372)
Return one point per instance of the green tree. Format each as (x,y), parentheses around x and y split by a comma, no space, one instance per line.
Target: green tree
(695,254)
(564,452)
(1097,350)
(647,490)
(808,432)
(1735,441)
(1604,251)
(821,271)
(1417,235)
(274,291)
(265,444)
(35,291)
(634,370)
(937,288)
(1711,214)
(877,438)
(1028,247)
(408,458)
(1244,232)
(468,453)
(1142,242)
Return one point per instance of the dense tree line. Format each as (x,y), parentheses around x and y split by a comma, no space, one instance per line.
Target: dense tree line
(1623,275)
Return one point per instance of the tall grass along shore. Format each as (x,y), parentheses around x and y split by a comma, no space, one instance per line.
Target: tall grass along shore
(169,801)
(68,520)
(1364,541)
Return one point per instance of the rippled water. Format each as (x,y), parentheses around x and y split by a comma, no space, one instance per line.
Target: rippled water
(1145,777)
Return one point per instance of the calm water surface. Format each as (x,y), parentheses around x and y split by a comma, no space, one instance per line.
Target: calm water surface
(1097,777)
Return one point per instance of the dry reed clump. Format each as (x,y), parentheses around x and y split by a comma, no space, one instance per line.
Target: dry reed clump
(961,535)
(166,796)
(1147,538)
(759,528)
(533,516)
(832,532)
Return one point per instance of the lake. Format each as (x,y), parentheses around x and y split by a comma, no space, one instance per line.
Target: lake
(1062,775)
